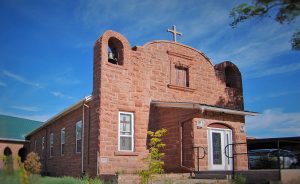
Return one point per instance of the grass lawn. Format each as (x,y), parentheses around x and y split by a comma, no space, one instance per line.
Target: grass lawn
(36,179)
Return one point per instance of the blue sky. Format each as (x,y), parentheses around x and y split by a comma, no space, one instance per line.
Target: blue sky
(46,53)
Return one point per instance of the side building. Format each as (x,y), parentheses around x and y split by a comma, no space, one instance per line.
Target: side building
(12,138)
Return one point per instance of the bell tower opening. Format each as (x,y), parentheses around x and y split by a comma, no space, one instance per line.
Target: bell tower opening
(231,78)
(115,51)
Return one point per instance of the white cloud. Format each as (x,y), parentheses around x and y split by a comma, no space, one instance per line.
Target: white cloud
(41,117)
(253,47)
(36,117)
(276,70)
(66,81)
(2,84)
(257,45)
(84,45)
(274,121)
(61,95)
(272,95)
(205,25)
(20,79)
(26,108)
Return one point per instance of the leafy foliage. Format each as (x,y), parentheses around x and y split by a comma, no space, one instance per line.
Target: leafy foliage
(23,173)
(154,158)
(8,164)
(283,11)
(296,40)
(32,163)
(28,174)
(239,179)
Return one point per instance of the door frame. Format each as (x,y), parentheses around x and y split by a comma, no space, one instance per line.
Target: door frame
(226,138)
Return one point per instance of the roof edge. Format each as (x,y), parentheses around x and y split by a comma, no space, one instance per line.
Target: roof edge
(176,43)
(14,140)
(62,113)
(203,107)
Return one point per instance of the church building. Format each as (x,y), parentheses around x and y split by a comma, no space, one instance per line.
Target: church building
(162,84)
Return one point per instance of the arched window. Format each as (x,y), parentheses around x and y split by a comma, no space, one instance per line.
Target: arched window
(8,160)
(115,51)
(7,151)
(231,78)
(22,154)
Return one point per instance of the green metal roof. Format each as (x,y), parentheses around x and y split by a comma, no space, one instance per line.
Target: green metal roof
(15,129)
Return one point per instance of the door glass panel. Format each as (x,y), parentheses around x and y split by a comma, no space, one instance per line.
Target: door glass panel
(125,124)
(227,151)
(217,150)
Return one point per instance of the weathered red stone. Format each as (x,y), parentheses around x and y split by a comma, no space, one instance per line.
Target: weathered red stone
(145,74)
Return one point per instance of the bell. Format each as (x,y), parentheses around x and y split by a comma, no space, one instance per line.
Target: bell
(111,56)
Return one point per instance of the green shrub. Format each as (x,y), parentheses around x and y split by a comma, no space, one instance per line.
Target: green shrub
(8,164)
(32,163)
(154,158)
(239,179)
(23,173)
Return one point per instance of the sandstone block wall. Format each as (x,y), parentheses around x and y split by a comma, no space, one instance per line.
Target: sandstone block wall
(146,74)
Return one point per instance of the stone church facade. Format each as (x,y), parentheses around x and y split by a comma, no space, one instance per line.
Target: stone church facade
(162,84)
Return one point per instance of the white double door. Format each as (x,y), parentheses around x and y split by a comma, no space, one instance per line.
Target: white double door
(218,139)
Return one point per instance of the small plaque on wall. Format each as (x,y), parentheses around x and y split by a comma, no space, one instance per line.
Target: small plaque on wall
(200,124)
(104,160)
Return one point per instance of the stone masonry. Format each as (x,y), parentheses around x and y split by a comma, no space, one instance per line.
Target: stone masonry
(142,76)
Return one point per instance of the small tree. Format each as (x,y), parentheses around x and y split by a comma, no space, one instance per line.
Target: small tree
(154,158)
(32,163)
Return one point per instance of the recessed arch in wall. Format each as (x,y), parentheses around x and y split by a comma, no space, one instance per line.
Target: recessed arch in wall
(232,77)
(219,125)
(7,151)
(22,154)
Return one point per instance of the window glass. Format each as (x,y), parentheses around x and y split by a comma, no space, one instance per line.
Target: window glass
(51,144)
(62,141)
(78,136)
(126,131)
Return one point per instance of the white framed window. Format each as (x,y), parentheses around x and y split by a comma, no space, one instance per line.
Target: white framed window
(62,141)
(78,136)
(35,146)
(51,144)
(43,143)
(126,131)
(43,146)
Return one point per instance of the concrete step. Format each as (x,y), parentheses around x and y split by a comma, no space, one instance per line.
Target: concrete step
(252,176)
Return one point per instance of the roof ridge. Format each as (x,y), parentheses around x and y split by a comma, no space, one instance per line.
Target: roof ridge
(18,117)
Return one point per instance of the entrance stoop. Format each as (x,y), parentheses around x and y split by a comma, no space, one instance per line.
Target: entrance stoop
(252,176)
(212,175)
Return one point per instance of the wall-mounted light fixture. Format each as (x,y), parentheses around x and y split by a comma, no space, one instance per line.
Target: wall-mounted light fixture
(200,123)
(243,128)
